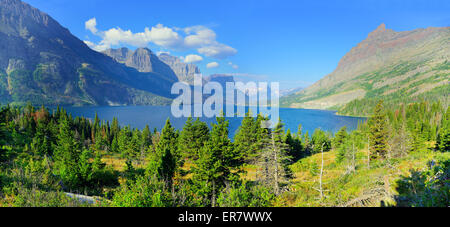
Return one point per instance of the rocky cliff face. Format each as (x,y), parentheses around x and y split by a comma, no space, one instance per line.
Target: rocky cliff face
(386,64)
(142,59)
(185,72)
(42,62)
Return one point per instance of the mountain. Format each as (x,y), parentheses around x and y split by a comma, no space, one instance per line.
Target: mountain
(219,78)
(142,59)
(185,72)
(290,91)
(398,67)
(42,62)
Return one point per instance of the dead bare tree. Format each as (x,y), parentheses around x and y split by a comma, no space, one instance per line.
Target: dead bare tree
(368,152)
(320,189)
(273,161)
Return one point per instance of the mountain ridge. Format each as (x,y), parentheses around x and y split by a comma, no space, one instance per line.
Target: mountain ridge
(42,62)
(388,65)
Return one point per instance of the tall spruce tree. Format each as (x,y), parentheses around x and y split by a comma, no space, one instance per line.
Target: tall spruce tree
(67,154)
(443,139)
(378,132)
(273,160)
(192,138)
(218,164)
(246,138)
(146,138)
(339,144)
(166,160)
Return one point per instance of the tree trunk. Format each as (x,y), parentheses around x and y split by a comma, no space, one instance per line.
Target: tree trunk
(353,157)
(320,180)
(368,153)
(276,185)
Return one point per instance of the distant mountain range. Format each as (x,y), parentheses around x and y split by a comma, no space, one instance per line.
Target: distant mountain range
(399,67)
(290,91)
(42,62)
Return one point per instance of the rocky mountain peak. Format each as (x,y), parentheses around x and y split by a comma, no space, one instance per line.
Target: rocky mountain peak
(185,72)
(381,27)
(42,62)
(143,60)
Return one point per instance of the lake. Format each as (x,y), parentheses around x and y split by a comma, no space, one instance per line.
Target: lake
(156,116)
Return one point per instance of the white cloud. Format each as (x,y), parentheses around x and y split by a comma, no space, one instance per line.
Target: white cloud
(164,36)
(212,65)
(233,65)
(163,52)
(192,58)
(160,35)
(91,25)
(89,43)
(199,38)
(218,50)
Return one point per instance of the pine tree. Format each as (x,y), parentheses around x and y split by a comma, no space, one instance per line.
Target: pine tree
(146,139)
(192,138)
(443,140)
(123,141)
(246,138)
(115,145)
(320,138)
(85,167)
(339,143)
(67,154)
(41,141)
(115,128)
(166,160)
(218,163)
(274,160)
(340,137)
(134,147)
(378,132)
(295,145)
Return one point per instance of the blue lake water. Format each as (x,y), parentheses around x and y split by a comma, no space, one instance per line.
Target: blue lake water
(156,116)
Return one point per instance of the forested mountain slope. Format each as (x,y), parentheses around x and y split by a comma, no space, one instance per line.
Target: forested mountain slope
(399,67)
(42,62)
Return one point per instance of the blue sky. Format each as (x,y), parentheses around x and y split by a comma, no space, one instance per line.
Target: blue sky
(293,42)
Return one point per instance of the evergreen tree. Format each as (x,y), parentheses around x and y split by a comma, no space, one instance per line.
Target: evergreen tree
(340,137)
(320,138)
(218,163)
(123,141)
(443,141)
(246,138)
(146,138)
(134,150)
(166,160)
(192,138)
(339,143)
(42,140)
(85,167)
(295,145)
(378,132)
(274,160)
(67,154)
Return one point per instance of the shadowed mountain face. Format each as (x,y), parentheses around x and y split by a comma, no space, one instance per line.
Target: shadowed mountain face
(142,59)
(185,72)
(387,64)
(42,62)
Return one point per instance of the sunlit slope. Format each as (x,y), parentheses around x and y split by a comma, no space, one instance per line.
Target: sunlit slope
(395,66)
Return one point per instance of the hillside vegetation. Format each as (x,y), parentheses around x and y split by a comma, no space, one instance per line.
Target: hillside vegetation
(397,67)
(399,157)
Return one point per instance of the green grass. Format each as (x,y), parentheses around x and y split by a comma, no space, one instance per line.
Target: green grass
(377,184)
